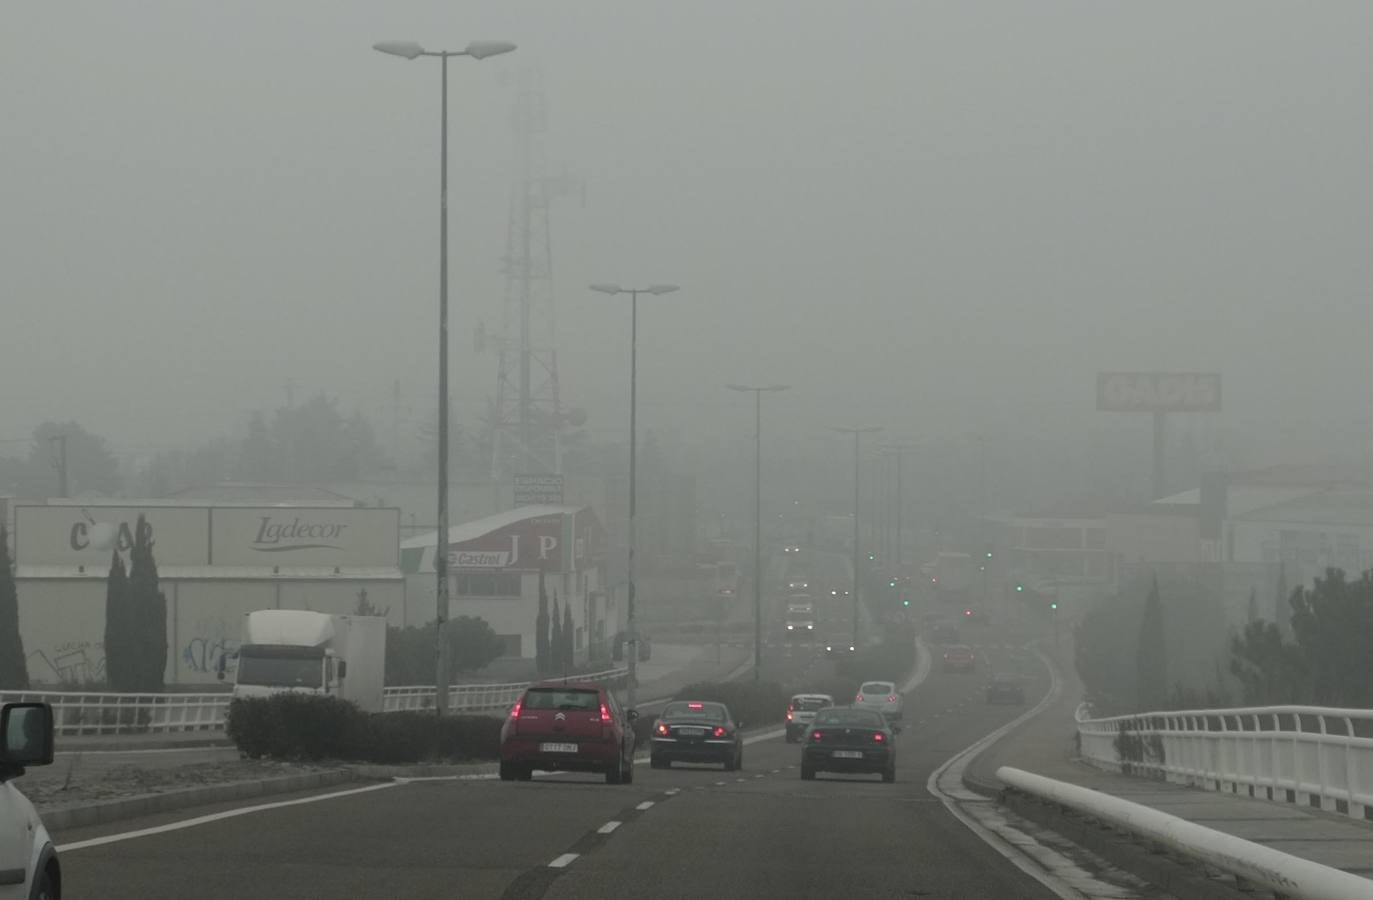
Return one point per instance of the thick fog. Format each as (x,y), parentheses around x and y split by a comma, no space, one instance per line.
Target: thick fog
(942,217)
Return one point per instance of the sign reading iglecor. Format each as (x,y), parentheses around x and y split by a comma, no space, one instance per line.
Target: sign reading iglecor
(327,536)
(1158,392)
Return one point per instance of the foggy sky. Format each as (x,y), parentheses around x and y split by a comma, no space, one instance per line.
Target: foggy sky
(943,217)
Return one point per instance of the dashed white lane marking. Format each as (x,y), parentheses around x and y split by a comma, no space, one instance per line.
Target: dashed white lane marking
(673,792)
(719,784)
(608,827)
(645,805)
(739,780)
(759,775)
(562,862)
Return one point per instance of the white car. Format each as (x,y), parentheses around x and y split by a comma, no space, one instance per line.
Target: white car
(880,697)
(28,861)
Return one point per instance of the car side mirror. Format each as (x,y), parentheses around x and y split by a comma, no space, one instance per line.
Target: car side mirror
(26,736)
(632,715)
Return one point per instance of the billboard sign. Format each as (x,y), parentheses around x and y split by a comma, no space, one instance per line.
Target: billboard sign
(538,490)
(88,535)
(299,536)
(1158,392)
(525,546)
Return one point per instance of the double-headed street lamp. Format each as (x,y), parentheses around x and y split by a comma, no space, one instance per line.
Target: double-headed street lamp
(632,638)
(857,431)
(758,518)
(478,50)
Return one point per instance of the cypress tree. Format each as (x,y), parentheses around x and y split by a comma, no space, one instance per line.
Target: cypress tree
(569,638)
(14,670)
(555,642)
(148,613)
(118,651)
(541,626)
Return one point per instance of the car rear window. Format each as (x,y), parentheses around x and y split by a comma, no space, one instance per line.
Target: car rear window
(810,704)
(878,687)
(853,717)
(707,712)
(562,698)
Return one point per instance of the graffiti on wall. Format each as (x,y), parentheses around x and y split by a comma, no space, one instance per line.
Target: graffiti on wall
(208,645)
(68,663)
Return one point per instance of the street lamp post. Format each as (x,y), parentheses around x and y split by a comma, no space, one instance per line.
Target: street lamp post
(857,431)
(899,451)
(478,50)
(632,638)
(758,518)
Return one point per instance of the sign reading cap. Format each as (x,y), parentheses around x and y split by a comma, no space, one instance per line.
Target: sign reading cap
(1158,392)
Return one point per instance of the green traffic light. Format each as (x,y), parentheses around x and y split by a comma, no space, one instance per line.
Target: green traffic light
(905,602)
(1053,606)
(1020,587)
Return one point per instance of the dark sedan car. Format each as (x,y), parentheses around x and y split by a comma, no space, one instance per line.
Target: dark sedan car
(844,739)
(1006,689)
(697,731)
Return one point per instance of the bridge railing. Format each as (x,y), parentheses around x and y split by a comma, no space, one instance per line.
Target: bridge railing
(95,713)
(1297,754)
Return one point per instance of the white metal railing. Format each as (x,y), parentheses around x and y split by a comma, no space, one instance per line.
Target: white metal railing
(86,713)
(1286,753)
(1284,874)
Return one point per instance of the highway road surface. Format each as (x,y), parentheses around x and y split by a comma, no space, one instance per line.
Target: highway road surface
(687,832)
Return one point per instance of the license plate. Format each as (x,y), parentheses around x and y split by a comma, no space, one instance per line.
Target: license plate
(557,748)
(848,754)
(691,732)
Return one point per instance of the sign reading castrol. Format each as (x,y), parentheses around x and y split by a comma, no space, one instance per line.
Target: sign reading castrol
(1158,392)
(528,546)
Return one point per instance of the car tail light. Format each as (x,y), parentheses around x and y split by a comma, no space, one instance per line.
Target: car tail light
(696,704)
(515,710)
(605,715)
(859,698)
(719,731)
(662,728)
(790,714)
(816,736)
(891,698)
(878,737)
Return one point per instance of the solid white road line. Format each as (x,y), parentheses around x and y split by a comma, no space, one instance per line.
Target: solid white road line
(608,827)
(645,805)
(216,817)
(562,862)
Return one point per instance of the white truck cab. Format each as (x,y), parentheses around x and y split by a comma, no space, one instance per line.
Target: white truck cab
(301,651)
(29,869)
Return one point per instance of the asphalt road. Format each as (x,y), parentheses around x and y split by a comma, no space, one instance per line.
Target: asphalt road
(687,832)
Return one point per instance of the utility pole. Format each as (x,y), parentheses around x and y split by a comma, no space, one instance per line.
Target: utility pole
(899,451)
(857,431)
(60,462)
(757,519)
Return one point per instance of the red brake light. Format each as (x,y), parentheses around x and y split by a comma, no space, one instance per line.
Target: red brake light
(515,710)
(816,735)
(891,698)
(859,698)
(696,705)
(662,728)
(605,713)
(719,731)
(878,737)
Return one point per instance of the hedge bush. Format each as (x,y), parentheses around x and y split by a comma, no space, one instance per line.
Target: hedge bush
(310,727)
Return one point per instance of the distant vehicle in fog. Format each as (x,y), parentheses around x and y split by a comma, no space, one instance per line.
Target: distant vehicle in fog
(960,658)
(801,710)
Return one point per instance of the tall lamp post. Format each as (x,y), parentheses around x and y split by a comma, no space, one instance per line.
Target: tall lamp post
(632,626)
(857,431)
(899,451)
(477,50)
(758,392)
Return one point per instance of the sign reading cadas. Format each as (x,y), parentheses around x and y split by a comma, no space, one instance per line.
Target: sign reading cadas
(1158,392)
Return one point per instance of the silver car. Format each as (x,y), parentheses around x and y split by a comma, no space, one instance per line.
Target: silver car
(880,697)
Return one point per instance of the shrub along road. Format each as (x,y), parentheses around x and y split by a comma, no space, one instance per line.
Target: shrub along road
(687,832)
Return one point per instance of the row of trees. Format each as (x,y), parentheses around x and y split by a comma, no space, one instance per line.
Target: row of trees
(135,619)
(554,636)
(14,672)
(1329,659)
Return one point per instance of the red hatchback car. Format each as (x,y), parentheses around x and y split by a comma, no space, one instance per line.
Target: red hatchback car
(568,727)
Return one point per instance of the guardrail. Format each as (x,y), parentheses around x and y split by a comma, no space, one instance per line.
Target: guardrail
(86,713)
(1286,875)
(1286,753)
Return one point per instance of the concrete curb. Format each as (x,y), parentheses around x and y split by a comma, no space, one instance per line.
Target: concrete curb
(170,801)
(368,772)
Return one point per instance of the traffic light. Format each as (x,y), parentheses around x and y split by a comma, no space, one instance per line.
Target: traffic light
(891,583)
(906,601)
(989,551)
(1019,588)
(1053,604)
(872,556)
